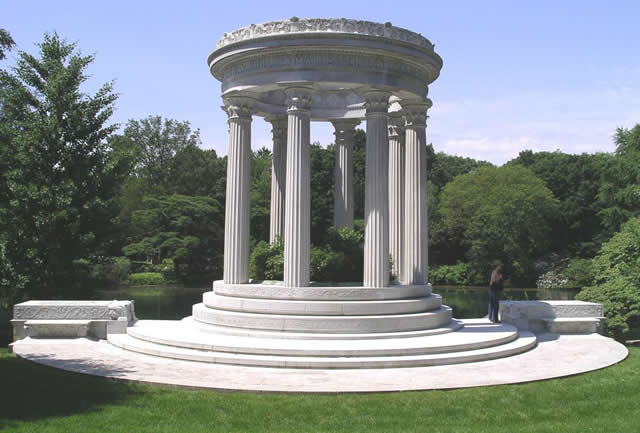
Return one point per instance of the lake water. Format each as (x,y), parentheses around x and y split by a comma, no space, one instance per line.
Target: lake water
(171,302)
(176,302)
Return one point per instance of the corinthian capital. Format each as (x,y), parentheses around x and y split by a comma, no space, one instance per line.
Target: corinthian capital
(395,125)
(376,101)
(278,127)
(238,107)
(415,113)
(298,99)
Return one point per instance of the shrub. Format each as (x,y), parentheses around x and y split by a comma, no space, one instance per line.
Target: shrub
(109,271)
(325,265)
(267,261)
(579,272)
(462,274)
(616,279)
(146,279)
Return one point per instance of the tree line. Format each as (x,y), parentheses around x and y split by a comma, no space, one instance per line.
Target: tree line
(85,203)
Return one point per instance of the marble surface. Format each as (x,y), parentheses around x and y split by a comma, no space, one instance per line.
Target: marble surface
(555,356)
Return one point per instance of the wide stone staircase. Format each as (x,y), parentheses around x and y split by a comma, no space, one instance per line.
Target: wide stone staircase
(324,327)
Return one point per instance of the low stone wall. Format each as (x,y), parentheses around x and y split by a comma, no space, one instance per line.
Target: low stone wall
(64,319)
(574,317)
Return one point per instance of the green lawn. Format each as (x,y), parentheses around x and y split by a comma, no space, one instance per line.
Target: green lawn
(41,399)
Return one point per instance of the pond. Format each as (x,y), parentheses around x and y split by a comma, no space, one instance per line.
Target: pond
(171,302)
(175,302)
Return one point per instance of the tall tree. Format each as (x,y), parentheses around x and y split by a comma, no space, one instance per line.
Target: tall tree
(6,43)
(156,142)
(575,180)
(627,140)
(58,174)
(500,213)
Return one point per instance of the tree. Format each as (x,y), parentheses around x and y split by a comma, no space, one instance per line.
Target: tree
(6,43)
(260,195)
(58,173)
(180,228)
(499,213)
(575,180)
(156,142)
(618,197)
(627,140)
(616,272)
(442,169)
(322,191)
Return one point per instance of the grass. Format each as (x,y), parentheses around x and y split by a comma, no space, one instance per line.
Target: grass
(41,399)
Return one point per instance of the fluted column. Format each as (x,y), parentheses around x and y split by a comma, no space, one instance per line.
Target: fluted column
(396,195)
(278,176)
(297,227)
(376,201)
(343,194)
(236,223)
(415,235)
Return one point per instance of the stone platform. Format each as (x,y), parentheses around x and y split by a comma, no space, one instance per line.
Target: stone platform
(327,327)
(554,356)
(191,341)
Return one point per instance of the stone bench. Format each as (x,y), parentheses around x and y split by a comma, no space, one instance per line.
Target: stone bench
(71,319)
(559,317)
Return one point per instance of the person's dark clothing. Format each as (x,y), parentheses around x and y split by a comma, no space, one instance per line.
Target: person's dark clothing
(495,292)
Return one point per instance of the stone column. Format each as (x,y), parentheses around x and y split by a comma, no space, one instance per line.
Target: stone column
(297,226)
(278,176)
(236,223)
(376,201)
(415,235)
(343,194)
(396,195)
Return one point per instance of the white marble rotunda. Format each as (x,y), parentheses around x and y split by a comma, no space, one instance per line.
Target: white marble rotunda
(346,72)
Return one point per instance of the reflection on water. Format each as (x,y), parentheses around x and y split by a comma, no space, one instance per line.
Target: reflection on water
(173,302)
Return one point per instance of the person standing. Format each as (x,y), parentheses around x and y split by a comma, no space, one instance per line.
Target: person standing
(495,290)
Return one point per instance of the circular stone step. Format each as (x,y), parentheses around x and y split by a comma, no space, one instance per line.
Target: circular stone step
(277,290)
(339,324)
(526,341)
(452,326)
(180,334)
(322,308)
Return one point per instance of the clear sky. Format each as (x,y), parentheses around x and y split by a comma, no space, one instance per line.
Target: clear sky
(517,75)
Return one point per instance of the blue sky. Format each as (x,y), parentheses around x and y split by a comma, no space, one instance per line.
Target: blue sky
(517,75)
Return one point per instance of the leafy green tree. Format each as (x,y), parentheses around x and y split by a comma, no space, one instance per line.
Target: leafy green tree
(58,173)
(499,213)
(617,280)
(322,191)
(179,228)
(260,195)
(6,43)
(627,140)
(575,180)
(618,196)
(359,158)
(442,169)
(156,142)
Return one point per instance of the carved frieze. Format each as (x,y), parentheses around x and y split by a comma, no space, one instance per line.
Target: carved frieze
(319,25)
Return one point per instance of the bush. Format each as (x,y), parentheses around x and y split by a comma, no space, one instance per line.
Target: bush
(267,261)
(146,279)
(462,274)
(109,271)
(616,279)
(326,265)
(579,272)
(341,259)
